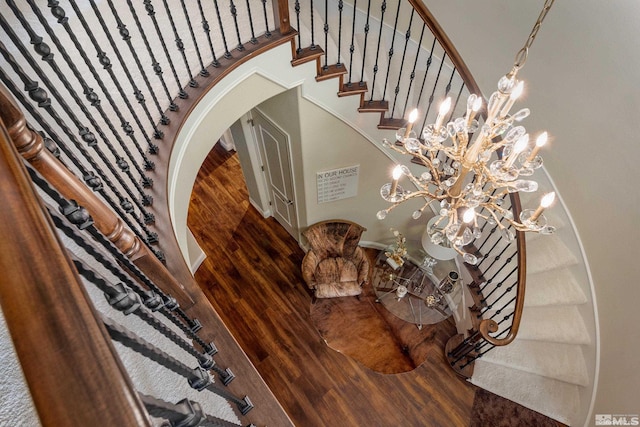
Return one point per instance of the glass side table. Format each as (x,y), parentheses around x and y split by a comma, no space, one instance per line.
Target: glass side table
(419,294)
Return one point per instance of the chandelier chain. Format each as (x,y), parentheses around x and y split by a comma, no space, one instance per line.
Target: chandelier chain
(521,56)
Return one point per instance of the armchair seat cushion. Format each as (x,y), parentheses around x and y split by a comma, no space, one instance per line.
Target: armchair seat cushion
(337,277)
(336,270)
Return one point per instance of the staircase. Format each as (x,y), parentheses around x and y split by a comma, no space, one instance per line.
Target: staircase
(550,366)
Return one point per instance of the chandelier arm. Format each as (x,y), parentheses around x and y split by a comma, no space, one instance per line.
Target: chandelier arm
(429,164)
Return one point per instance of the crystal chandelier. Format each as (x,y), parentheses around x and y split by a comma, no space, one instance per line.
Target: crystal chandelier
(482,165)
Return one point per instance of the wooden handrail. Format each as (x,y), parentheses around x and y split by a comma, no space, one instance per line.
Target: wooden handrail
(31,146)
(74,374)
(486,326)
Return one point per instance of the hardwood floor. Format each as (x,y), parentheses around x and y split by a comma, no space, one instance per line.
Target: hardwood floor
(252,278)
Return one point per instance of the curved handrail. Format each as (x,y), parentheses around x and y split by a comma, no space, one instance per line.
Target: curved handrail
(486,326)
(47,311)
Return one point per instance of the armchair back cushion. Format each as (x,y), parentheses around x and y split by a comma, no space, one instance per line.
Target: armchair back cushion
(335,265)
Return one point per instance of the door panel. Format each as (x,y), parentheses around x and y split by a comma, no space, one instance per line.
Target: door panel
(276,158)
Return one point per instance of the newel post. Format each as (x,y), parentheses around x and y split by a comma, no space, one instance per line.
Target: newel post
(281,15)
(31,146)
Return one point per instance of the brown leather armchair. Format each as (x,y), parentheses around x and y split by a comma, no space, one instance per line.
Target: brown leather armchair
(335,266)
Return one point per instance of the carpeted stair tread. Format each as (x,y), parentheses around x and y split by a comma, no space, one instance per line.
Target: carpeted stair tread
(550,253)
(552,323)
(556,399)
(559,361)
(555,287)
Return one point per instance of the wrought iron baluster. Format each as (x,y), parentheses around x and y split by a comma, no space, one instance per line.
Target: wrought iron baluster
(152,14)
(352,46)
(407,37)
(340,7)
(496,258)
(139,96)
(124,33)
(297,10)
(502,267)
(179,44)
(60,14)
(499,311)
(87,136)
(198,378)
(433,91)
(326,35)
(157,69)
(448,87)
(94,99)
(498,286)
(426,72)
(227,54)
(267,32)
(491,233)
(124,299)
(391,51)
(203,69)
(506,292)
(207,30)
(234,15)
(154,299)
(41,97)
(185,413)
(254,40)
(364,49)
(412,76)
(313,39)
(383,8)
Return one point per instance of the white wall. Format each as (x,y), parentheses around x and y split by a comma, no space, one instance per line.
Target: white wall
(321,142)
(306,114)
(581,79)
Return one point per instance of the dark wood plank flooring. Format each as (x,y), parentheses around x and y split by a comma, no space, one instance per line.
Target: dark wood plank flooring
(252,278)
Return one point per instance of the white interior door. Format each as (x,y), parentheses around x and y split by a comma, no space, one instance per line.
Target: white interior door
(276,157)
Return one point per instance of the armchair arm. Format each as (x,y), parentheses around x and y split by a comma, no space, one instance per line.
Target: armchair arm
(309,265)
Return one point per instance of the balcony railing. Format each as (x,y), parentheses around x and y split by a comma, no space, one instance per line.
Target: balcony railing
(104,88)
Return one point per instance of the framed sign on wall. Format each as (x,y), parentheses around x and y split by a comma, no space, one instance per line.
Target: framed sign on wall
(337,184)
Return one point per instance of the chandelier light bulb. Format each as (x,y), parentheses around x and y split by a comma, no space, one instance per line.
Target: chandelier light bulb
(540,142)
(395,174)
(472,110)
(469,216)
(445,106)
(477,104)
(547,200)
(444,109)
(413,116)
(518,148)
(515,94)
